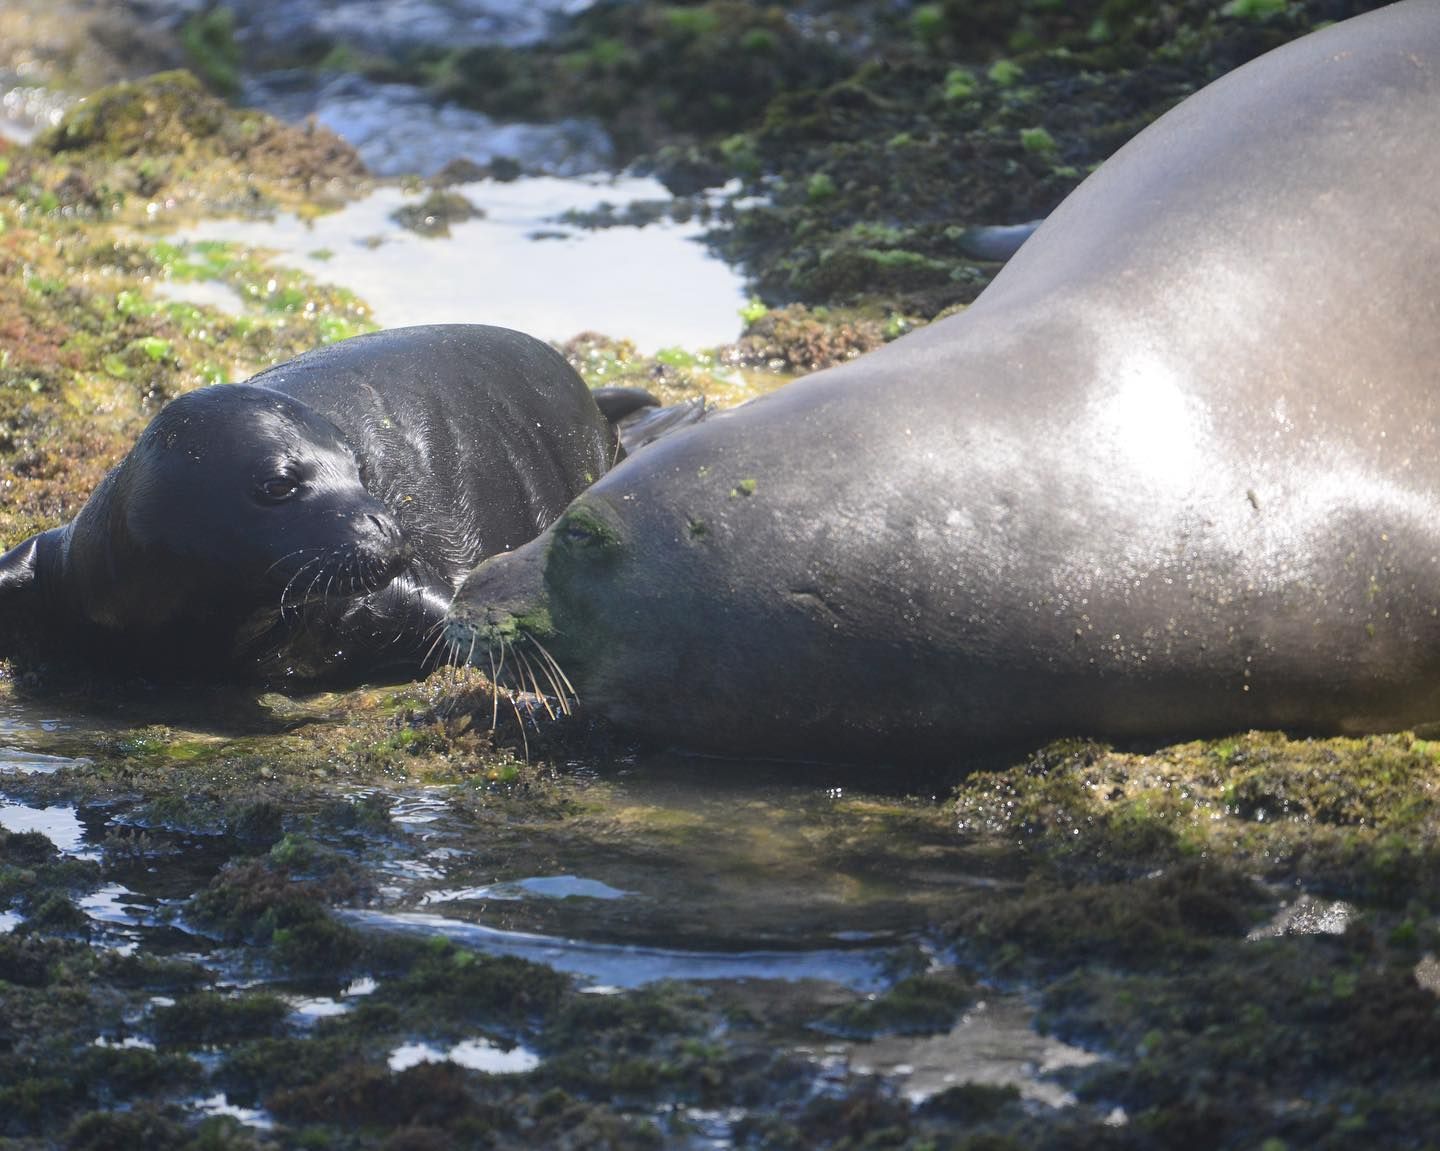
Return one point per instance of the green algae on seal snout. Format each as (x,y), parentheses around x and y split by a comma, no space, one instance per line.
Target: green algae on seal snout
(1141,488)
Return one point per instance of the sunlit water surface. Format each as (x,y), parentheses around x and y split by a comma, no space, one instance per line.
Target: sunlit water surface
(707,872)
(519,266)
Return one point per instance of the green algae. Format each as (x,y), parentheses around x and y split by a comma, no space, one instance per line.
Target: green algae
(917,1005)
(209,41)
(1141,918)
(1253,9)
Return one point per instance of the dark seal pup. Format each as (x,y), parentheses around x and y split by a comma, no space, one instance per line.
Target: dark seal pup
(1177,470)
(315,521)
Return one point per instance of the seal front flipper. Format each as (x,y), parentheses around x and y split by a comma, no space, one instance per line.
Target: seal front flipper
(22,594)
(17,569)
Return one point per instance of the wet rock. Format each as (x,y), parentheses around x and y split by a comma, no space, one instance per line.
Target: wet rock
(433,215)
(798,339)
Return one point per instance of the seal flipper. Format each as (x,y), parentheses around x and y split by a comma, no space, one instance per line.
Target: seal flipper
(17,569)
(617,403)
(21,599)
(646,425)
(639,419)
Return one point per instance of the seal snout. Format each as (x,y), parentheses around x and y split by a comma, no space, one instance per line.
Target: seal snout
(383,542)
(497,604)
(381,534)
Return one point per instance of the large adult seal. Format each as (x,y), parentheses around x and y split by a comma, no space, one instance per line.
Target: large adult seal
(315,521)
(1176,471)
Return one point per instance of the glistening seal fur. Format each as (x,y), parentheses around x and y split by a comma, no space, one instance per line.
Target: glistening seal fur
(1176,471)
(315,521)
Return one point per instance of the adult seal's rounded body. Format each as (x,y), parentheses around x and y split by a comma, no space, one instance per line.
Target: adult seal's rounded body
(1176,471)
(315,521)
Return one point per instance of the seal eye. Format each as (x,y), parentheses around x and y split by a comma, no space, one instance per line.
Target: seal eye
(277,489)
(584,531)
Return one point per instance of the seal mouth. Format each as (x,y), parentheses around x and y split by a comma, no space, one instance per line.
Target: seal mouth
(508,648)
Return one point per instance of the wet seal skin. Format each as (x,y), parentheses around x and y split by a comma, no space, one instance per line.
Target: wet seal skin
(1176,471)
(314,521)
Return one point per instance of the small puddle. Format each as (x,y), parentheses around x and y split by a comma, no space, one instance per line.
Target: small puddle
(630,965)
(217,1105)
(543,887)
(59,824)
(16,761)
(311,1009)
(994,1044)
(656,285)
(475,1054)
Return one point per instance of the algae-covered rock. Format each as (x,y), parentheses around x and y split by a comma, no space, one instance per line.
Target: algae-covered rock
(172,121)
(433,215)
(799,340)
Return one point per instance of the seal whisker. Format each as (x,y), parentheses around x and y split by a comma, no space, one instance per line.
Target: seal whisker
(565,690)
(430,651)
(494,686)
(282,559)
(526,688)
(435,633)
(565,679)
(535,683)
(560,695)
(290,583)
(500,668)
(524,739)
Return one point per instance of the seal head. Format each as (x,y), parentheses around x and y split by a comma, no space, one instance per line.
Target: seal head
(237,508)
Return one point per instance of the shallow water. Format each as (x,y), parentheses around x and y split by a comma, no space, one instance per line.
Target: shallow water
(611,965)
(476,1054)
(656,285)
(665,870)
(59,824)
(379,24)
(399,130)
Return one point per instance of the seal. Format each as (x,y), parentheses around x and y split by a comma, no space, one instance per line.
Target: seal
(314,522)
(1175,472)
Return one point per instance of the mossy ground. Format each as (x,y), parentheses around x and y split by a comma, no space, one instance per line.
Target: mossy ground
(1139,900)
(91,347)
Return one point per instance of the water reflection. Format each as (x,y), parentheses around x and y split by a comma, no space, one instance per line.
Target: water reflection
(627,966)
(59,824)
(655,285)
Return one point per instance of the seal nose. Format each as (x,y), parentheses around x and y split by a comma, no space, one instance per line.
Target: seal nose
(495,616)
(380,533)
